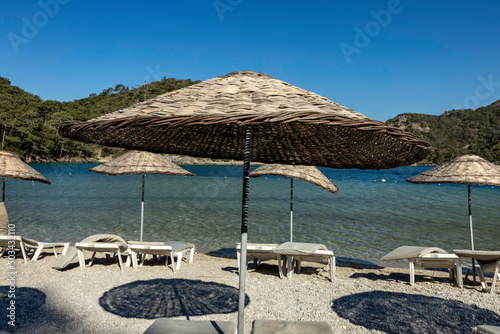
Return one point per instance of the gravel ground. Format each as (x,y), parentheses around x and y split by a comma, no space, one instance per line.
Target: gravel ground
(362,298)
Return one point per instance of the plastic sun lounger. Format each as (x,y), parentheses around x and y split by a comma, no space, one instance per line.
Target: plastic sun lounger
(488,329)
(290,327)
(296,252)
(428,257)
(175,326)
(258,252)
(172,249)
(26,245)
(107,248)
(23,243)
(488,261)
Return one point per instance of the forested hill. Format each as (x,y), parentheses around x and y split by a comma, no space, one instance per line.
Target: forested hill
(456,132)
(28,124)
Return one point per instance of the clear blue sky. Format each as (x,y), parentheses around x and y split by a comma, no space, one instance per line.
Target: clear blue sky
(380,58)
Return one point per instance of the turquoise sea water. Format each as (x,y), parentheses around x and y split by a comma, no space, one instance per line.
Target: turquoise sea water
(365,220)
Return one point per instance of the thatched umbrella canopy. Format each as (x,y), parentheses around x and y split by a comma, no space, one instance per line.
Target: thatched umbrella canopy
(140,162)
(13,167)
(289,125)
(466,169)
(307,173)
(251,116)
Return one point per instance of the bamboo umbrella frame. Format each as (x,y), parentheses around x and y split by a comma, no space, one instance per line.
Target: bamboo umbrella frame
(251,116)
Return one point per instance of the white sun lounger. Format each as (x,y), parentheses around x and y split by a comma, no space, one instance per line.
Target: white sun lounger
(27,245)
(296,252)
(24,244)
(258,252)
(172,249)
(427,257)
(108,248)
(177,326)
(488,329)
(488,261)
(260,326)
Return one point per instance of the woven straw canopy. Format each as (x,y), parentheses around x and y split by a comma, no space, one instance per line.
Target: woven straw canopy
(307,173)
(13,167)
(289,125)
(466,169)
(140,162)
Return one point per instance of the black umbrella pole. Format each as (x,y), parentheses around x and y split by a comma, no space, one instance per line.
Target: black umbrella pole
(3,189)
(471,234)
(291,209)
(244,228)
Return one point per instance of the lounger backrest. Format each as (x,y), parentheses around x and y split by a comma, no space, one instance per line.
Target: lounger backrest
(4,220)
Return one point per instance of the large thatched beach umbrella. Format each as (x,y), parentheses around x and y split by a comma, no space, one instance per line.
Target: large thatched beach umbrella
(13,167)
(307,173)
(252,116)
(140,162)
(466,169)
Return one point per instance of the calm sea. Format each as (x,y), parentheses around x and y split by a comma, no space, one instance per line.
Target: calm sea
(364,221)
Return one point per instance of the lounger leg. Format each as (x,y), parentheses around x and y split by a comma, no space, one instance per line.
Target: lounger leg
(412,272)
(280,266)
(25,256)
(81,259)
(495,275)
(65,249)
(331,263)
(458,273)
(289,266)
(2,252)
(133,258)
(171,260)
(298,266)
(92,259)
(451,274)
(180,255)
(37,253)
(120,263)
(480,273)
(191,255)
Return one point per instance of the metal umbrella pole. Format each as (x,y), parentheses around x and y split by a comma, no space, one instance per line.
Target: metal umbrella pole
(471,233)
(291,209)
(244,228)
(142,204)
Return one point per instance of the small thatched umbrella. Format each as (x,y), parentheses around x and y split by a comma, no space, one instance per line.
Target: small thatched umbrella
(252,116)
(306,173)
(13,167)
(140,162)
(466,169)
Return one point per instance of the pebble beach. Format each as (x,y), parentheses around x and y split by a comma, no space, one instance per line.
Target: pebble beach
(363,298)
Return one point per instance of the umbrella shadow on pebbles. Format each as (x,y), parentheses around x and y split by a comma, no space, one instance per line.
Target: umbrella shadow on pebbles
(393,312)
(163,298)
(19,306)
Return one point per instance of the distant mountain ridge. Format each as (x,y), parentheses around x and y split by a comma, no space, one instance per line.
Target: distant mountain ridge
(456,132)
(29,125)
